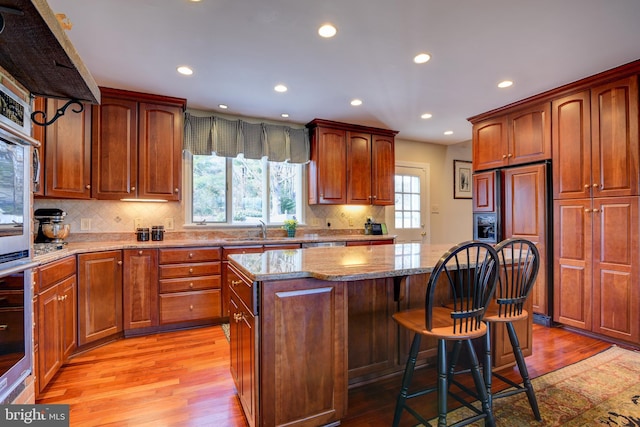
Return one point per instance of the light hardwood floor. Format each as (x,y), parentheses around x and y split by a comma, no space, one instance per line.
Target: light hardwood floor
(182,379)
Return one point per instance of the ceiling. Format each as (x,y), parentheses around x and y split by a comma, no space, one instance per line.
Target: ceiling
(240,49)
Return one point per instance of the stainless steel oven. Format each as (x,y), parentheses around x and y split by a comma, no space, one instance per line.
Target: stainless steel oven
(16,238)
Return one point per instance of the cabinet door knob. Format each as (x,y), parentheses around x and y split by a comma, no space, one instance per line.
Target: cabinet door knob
(595,185)
(119,262)
(596,210)
(504,156)
(587,186)
(509,155)
(176,190)
(587,210)
(139,252)
(133,188)
(88,186)
(235,283)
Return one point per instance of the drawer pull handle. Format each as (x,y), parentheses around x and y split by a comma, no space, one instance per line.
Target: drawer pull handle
(235,283)
(4,327)
(191,270)
(190,255)
(191,307)
(191,285)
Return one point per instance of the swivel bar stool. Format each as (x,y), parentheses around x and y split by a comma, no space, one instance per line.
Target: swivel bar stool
(519,264)
(459,289)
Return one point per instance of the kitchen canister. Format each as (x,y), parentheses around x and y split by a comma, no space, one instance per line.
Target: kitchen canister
(142,234)
(157,232)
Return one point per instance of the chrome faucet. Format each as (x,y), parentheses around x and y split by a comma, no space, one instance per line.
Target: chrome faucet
(263,228)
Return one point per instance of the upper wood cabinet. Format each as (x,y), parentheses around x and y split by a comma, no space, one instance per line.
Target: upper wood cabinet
(595,141)
(513,138)
(485,192)
(137,146)
(351,164)
(65,154)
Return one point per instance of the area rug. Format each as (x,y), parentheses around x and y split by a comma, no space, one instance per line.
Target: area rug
(225,329)
(603,390)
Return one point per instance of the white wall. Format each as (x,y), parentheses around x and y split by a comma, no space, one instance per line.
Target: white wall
(453,222)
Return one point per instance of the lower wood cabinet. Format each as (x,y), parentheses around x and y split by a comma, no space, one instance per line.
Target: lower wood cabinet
(140,286)
(99,295)
(56,317)
(190,284)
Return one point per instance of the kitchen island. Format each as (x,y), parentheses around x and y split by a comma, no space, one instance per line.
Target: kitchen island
(307,324)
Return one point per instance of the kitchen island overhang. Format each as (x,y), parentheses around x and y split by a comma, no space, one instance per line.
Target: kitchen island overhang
(307,324)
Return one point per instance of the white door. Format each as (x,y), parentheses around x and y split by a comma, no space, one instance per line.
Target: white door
(409,218)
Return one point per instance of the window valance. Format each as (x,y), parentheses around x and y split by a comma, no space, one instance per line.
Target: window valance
(228,138)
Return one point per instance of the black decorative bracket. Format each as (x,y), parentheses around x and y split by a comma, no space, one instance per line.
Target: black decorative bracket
(59,113)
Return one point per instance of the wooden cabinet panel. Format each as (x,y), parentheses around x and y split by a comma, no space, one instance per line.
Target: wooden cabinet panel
(99,295)
(330,158)
(140,285)
(190,284)
(484,192)
(571,141)
(38,133)
(67,152)
(114,147)
(187,306)
(489,143)
(616,285)
(525,216)
(383,171)
(226,277)
(614,138)
(69,320)
(573,263)
(372,331)
(49,336)
(160,151)
(51,273)
(358,168)
(189,270)
(303,378)
(529,135)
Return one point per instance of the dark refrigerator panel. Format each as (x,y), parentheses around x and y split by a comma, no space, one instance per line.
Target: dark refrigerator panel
(487,198)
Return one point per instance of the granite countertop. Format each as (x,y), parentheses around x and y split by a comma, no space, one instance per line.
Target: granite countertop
(341,263)
(72,248)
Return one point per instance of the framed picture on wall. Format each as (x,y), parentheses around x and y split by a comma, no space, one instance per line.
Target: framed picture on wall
(462,179)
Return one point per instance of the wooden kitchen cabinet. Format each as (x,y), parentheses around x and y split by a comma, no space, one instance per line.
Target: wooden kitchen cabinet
(595,141)
(137,146)
(56,320)
(596,270)
(140,287)
(99,296)
(244,343)
(485,192)
(351,164)
(65,154)
(190,285)
(512,138)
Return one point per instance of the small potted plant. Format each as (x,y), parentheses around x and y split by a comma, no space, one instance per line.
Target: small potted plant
(290,225)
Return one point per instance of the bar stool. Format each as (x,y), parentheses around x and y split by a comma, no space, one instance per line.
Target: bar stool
(460,287)
(519,264)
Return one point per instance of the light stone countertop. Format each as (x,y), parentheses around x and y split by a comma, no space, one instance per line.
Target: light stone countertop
(341,263)
(72,248)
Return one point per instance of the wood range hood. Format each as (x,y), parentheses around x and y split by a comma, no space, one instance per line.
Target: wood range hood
(35,50)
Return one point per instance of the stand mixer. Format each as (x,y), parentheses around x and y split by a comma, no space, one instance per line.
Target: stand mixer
(51,228)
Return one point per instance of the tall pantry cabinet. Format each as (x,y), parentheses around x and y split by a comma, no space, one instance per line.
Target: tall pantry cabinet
(595,188)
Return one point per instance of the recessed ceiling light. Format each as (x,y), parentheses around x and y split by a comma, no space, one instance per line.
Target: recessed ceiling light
(505,83)
(421,58)
(222,106)
(448,132)
(426,116)
(356,102)
(280,88)
(285,115)
(327,31)
(184,70)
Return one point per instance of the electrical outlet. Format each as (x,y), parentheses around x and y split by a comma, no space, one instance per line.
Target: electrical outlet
(350,222)
(85,224)
(168,223)
(315,222)
(137,223)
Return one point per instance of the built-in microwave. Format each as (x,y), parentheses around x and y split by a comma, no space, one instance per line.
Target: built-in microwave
(15,177)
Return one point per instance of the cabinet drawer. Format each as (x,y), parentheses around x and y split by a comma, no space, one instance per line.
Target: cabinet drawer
(172,256)
(189,270)
(190,284)
(185,306)
(240,250)
(55,271)
(243,288)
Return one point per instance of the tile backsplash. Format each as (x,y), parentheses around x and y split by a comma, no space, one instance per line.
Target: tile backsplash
(107,216)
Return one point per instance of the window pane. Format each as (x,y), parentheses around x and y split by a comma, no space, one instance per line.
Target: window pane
(247,184)
(209,189)
(285,200)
